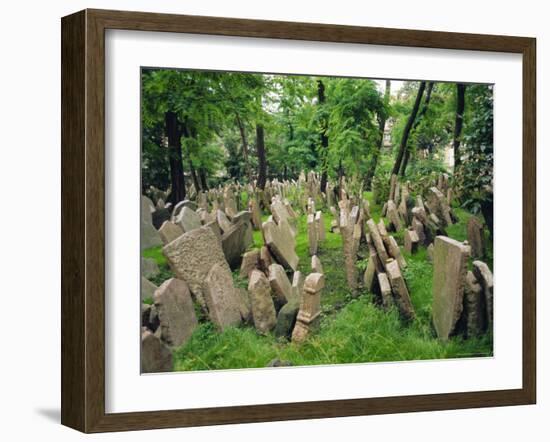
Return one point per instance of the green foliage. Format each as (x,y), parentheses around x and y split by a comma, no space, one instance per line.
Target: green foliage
(475,176)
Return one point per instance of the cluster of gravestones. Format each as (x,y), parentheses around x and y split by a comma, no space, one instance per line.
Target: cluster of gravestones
(202,247)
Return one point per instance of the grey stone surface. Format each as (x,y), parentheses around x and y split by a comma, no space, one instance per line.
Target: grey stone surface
(176,312)
(316,266)
(263,309)
(400,291)
(310,307)
(188,219)
(147,289)
(377,241)
(411,241)
(222,300)
(192,255)
(149,267)
(280,245)
(476,237)
(286,318)
(169,231)
(251,261)
(450,268)
(149,236)
(280,285)
(235,241)
(156,357)
(385,290)
(147,209)
(474,306)
(485,277)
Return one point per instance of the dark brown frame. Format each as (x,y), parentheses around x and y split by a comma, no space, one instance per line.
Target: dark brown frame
(83,215)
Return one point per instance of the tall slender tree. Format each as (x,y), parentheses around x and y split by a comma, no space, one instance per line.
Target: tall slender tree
(324,137)
(408,127)
(262,163)
(459,120)
(174,133)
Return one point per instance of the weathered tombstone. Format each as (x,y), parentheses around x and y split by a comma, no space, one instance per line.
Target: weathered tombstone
(419,229)
(234,243)
(450,268)
(286,318)
(280,285)
(229,202)
(320,225)
(399,290)
(256,213)
(179,206)
(147,209)
(251,261)
(393,216)
(149,236)
(411,241)
(147,289)
(280,244)
(316,266)
(393,185)
(394,251)
(188,219)
(222,299)
(223,221)
(430,252)
(438,206)
(169,231)
(377,241)
(474,306)
(369,277)
(385,290)
(485,277)
(476,237)
(265,260)
(263,309)
(192,255)
(310,307)
(155,356)
(382,229)
(297,284)
(176,312)
(350,252)
(149,267)
(312,234)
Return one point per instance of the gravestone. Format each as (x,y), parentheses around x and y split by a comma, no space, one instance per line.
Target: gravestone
(485,277)
(159,217)
(385,290)
(192,255)
(393,216)
(450,268)
(399,289)
(251,261)
(369,277)
(394,251)
(149,267)
(222,299)
(169,231)
(280,244)
(310,307)
(475,236)
(297,284)
(149,236)
(263,309)
(147,209)
(280,285)
(312,234)
(147,289)
(188,219)
(419,229)
(234,243)
(265,260)
(223,221)
(316,266)
(377,241)
(155,356)
(286,318)
(175,311)
(411,241)
(320,226)
(256,213)
(474,306)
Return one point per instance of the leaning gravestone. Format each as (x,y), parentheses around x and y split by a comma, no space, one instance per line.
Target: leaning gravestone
(411,241)
(263,309)
(310,307)
(149,267)
(169,231)
(188,219)
(176,312)
(475,236)
(149,236)
(147,289)
(286,318)
(450,267)
(222,299)
(234,243)
(147,209)
(312,234)
(155,356)
(485,278)
(474,306)
(223,221)
(280,244)
(251,261)
(399,290)
(192,255)
(280,285)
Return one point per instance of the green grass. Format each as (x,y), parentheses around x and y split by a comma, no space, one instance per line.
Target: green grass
(352,330)
(165,271)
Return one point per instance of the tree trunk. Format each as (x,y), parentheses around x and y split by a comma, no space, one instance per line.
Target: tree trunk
(245,147)
(324,137)
(262,163)
(416,123)
(194,176)
(381,127)
(202,175)
(459,118)
(407,130)
(173,133)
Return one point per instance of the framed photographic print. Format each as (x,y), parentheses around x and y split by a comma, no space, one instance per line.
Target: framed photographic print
(266,220)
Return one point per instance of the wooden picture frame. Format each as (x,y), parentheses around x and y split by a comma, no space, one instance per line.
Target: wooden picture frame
(83,220)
